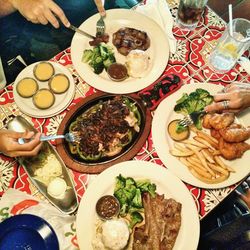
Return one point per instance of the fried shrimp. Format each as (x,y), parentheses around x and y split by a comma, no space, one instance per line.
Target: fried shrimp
(221,121)
(235,134)
(232,150)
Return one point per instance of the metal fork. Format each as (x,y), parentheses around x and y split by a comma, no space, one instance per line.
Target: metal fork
(192,118)
(70,137)
(100,27)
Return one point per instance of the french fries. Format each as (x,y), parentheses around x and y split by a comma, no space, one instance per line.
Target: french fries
(202,157)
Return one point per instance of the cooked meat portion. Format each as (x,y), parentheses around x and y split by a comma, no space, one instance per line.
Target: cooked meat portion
(104,38)
(206,121)
(162,224)
(127,39)
(215,133)
(232,150)
(220,121)
(235,133)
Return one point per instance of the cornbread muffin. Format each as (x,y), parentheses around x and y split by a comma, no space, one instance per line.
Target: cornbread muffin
(59,83)
(43,99)
(43,71)
(27,87)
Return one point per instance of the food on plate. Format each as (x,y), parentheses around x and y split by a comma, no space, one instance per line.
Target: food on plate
(202,158)
(117,72)
(107,207)
(100,38)
(218,121)
(43,71)
(27,87)
(43,99)
(59,83)
(127,39)
(99,58)
(137,63)
(175,133)
(162,223)
(111,235)
(193,102)
(48,169)
(230,135)
(57,188)
(147,220)
(105,129)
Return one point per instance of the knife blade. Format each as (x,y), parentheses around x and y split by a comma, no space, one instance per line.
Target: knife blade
(72,27)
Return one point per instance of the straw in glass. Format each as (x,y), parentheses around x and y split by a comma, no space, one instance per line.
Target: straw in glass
(230,11)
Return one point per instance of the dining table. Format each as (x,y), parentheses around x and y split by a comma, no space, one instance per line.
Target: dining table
(189,63)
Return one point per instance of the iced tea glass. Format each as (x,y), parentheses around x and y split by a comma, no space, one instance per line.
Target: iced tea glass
(230,47)
(189,13)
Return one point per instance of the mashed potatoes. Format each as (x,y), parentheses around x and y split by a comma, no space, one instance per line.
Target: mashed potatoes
(137,63)
(111,234)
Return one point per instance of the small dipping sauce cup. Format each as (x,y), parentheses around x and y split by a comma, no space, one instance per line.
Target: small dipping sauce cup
(107,207)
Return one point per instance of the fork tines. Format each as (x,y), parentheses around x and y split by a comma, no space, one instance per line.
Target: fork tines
(186,121)
(100,26)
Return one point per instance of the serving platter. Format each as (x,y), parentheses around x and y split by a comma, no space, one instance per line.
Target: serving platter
(166,183)
(114,20)
(69,202)
(165,113)
(128,151)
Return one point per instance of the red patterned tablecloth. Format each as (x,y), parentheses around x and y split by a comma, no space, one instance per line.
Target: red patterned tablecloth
(190,62)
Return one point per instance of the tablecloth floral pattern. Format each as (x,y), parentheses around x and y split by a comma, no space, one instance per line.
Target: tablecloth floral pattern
(190,63)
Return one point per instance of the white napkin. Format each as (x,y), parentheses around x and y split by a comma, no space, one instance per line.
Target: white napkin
(16,202)
(158,10)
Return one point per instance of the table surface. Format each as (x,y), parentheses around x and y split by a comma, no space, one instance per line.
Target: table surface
(190,62)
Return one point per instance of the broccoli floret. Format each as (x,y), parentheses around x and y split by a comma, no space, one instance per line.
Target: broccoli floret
(103,52)
(200,105)
(135,218)
(98,67)
(87,54)
(198,123)
(180,128)
(181,108)
(109,61)
(146,186)
(183,98)
(208,100)
(202,93)
(120,182)
(137,200)
(190,105)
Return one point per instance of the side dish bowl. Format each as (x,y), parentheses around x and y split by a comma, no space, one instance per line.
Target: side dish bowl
(128,151)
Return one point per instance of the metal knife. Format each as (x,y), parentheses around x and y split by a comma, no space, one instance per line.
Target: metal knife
(81,31)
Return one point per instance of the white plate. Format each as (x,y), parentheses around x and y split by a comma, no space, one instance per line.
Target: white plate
(61,100)
(165,113)
(167,184)
(116,19)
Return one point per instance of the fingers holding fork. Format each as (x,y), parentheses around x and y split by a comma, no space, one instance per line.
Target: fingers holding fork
(100,7)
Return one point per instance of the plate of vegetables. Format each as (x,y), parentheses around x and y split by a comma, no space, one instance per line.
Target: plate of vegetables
(111,128)
(150,201)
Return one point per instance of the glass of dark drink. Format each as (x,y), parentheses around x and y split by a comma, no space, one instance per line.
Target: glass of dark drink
(189,13)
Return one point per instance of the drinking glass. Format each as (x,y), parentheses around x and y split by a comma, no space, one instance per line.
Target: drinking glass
(231,46)
(189,13)
(2,76)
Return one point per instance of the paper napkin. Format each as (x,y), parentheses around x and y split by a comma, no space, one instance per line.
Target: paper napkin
(15,202)
(158,10)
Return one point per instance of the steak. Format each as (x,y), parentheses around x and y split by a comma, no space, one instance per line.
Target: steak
(162,224)
(127,39)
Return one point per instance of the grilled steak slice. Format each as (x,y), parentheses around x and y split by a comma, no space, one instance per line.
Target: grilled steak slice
(162,224)
(127,39)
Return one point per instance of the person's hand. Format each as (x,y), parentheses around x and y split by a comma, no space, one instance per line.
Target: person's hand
(41,11)
(233,98)
(246,196)
(10,146)
(100,7)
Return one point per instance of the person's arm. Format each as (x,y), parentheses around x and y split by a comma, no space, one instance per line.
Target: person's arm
(37,11)
(10,146)
(100,7)
(6,8)
(237,96)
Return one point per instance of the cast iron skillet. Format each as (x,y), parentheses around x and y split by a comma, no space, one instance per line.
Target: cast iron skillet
(128,152)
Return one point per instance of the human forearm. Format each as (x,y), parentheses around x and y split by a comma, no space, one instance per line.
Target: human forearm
(6,8)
